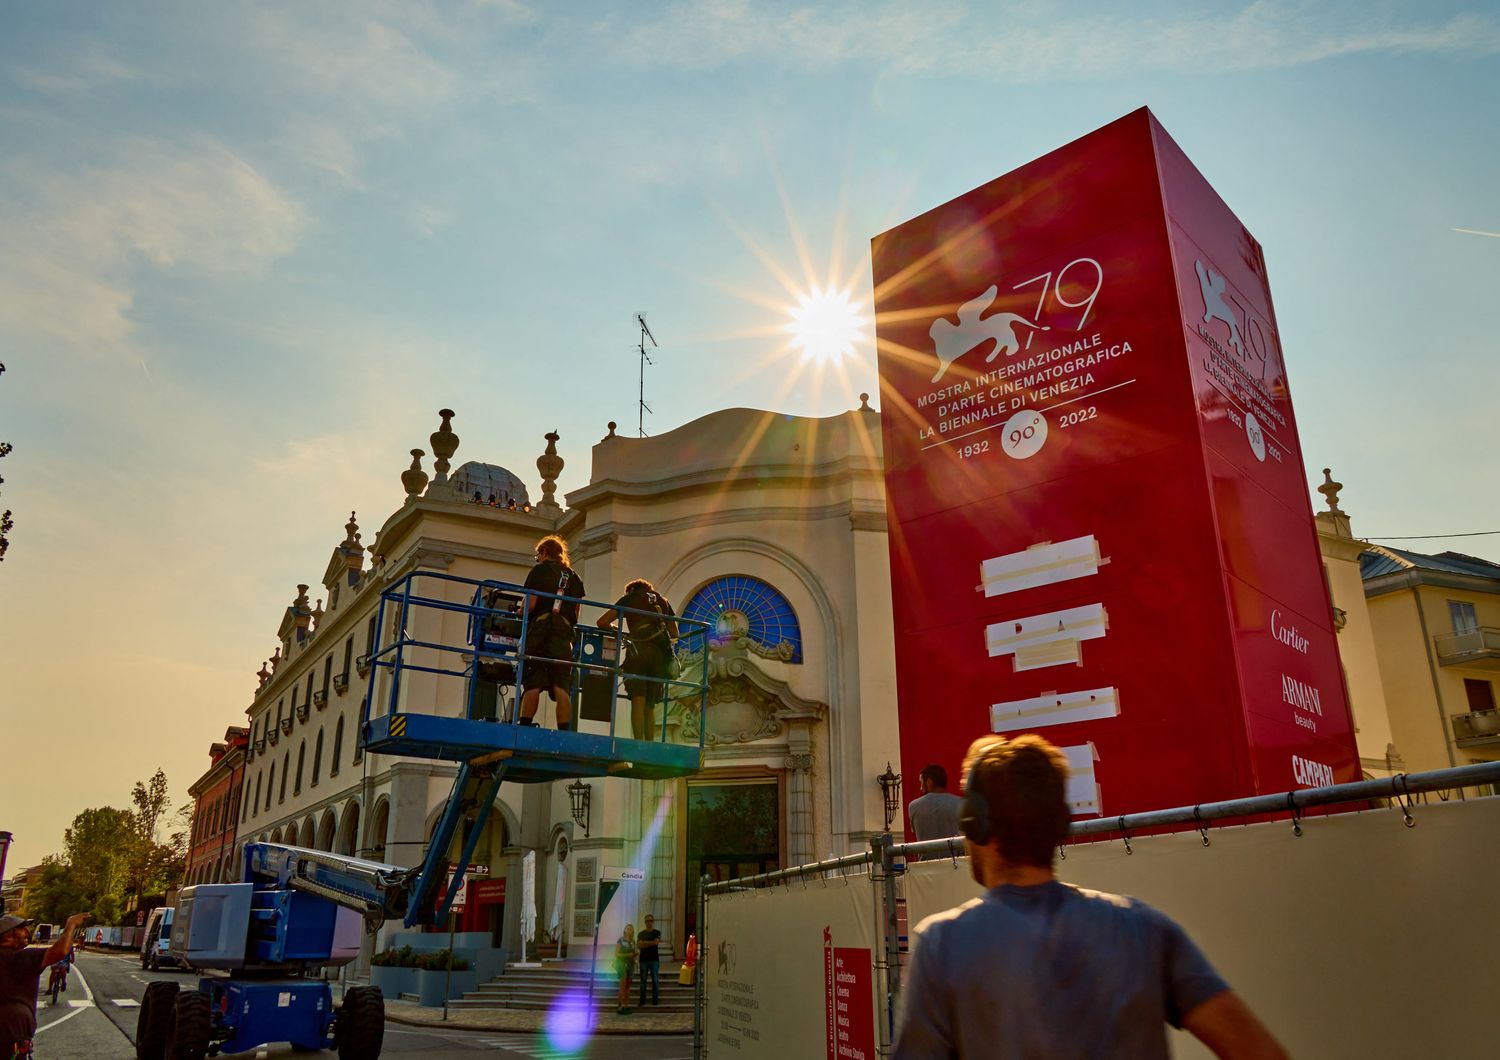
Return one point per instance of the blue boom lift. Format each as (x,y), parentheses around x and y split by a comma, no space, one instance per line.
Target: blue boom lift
(299,911)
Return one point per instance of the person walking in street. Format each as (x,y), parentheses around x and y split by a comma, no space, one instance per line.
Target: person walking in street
(1038,968)
(648,944)
(21,967)
(625,964)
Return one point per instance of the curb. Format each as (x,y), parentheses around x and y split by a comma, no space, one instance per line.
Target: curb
(534,1025)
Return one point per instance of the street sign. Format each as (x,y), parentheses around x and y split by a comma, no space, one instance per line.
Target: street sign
(472,870)
(624,874)
(607,890)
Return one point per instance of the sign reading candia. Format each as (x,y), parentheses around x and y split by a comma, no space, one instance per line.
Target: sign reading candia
(1100,527)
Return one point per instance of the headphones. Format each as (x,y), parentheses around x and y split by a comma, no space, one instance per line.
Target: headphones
(974,814)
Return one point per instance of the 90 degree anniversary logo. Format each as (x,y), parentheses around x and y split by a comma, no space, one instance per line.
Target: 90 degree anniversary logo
(1016,394)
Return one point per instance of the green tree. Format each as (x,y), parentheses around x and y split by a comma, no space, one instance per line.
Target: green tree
(153,866)
(53,895)
(96,852)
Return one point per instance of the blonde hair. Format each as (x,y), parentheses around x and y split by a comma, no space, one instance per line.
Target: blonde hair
(554,547)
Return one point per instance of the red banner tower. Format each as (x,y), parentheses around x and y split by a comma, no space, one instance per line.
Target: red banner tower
(1100,529)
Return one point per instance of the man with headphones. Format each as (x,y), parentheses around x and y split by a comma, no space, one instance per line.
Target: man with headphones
(1038,968)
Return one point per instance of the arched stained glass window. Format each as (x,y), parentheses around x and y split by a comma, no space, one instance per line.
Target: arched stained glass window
(742,606)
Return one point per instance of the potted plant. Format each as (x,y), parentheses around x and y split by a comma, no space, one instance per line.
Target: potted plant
(435,977)
(395,972)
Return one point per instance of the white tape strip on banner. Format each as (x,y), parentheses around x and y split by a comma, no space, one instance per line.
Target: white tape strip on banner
(1054,708)
(1041,564)
(1047,640)
(1084,796)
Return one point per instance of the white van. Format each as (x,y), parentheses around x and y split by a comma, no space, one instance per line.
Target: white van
(156,942)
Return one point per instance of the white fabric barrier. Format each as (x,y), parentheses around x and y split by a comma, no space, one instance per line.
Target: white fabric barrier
(1362,938)
(789,971)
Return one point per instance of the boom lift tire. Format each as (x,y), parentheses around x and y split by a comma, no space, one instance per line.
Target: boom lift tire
(192,1030)
(361,1024)
(155,1021)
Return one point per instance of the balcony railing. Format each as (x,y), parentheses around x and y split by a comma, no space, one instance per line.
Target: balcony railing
(302,712)
(320,699)
(1471,647)
(341,683)
(286,722)
(362,664)
(1480,727)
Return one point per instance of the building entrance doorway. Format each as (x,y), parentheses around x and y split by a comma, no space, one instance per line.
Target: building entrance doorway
(733,829)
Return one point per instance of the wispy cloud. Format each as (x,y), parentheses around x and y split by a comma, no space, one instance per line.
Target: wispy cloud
(1477,232)
(74,241)
(1033,41)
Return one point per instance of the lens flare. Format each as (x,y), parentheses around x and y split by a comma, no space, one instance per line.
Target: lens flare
(826,325)
(569,1022)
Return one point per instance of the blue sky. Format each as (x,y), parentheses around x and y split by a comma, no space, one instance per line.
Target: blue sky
(249,250)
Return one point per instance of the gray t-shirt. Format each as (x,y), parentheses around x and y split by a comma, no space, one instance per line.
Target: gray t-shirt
(1050,971)
(935,815)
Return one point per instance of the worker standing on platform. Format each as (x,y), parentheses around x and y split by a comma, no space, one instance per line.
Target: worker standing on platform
(648,651)
(549,631)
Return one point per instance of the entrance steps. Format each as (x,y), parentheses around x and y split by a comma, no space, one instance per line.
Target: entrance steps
(539,989)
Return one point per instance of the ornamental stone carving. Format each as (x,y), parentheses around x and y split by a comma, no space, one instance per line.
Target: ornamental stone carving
(414,479)
(444,444)
(550,465)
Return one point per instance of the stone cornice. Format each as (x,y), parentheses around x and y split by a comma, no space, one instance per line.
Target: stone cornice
(862,515)
(721,479)
(1410,579)
(223,769)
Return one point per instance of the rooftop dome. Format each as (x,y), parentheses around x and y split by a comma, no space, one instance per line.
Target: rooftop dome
(487,479)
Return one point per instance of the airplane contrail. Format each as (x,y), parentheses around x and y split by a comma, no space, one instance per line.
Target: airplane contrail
(1476,232)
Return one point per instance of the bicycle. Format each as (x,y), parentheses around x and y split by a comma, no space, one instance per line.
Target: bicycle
(57,984)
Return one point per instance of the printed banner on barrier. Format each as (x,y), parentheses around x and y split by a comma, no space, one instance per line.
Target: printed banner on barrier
(788,967)
(1306,928)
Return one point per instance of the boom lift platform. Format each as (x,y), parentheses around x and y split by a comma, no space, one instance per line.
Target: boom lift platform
(440,641)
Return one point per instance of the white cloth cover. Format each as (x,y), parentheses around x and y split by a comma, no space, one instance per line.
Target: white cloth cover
(528,896)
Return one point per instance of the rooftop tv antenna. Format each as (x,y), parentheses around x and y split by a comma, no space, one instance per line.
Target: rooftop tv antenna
(640,318)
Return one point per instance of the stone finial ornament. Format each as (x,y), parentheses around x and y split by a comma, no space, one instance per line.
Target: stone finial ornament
(264,674)
(611,434)
(276,659)
(414,479)
(550,465)
(444,445)
(351,535)
(317,615)
(864,403)
(1330,491)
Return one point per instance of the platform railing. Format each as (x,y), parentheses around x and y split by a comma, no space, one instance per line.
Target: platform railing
(400,649)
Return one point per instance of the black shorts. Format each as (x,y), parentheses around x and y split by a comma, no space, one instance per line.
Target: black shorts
(651,658)
(548,637)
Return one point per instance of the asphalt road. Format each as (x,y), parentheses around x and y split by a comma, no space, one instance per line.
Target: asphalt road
(95,1020)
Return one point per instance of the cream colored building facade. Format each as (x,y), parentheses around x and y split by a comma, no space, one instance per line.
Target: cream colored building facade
(1419,638)
(771,527)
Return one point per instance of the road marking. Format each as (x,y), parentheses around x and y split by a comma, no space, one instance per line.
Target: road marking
(72,1010)
(127,1002)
